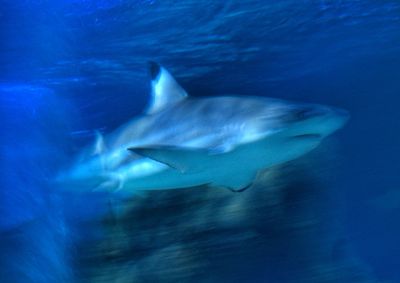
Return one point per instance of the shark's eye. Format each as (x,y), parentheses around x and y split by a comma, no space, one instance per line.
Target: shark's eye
(301,114)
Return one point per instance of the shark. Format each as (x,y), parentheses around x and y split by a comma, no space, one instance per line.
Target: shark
(182,141)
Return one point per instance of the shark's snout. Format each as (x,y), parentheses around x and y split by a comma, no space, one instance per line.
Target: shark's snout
(336,118)
(315,121)
(341,114)
(317,111)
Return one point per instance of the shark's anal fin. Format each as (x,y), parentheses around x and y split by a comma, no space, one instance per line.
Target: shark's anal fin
(241,189)
(185,160)
(231,189)
(165,91)
(238,182)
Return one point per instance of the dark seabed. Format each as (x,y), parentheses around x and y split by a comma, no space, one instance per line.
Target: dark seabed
(71,68)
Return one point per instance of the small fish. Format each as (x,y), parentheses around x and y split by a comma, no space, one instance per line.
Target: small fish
(183,141)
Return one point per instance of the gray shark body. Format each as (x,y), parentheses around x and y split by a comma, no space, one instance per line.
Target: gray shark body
(184,141)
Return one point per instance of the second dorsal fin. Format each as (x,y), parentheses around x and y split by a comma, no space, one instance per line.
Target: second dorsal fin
(165,91)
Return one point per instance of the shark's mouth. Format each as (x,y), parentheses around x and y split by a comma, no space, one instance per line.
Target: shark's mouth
(307,137)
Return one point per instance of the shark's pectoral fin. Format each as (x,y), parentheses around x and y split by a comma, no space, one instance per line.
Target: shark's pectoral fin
(186,160)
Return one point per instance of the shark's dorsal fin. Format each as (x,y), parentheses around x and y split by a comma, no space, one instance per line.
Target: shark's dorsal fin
(165,91)
(182,159)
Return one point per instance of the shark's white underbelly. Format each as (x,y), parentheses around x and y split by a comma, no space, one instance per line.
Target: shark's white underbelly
(235,169)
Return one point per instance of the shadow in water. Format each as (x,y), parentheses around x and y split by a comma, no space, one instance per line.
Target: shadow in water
(281,230)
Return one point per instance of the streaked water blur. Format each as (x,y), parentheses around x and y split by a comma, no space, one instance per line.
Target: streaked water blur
(71,68)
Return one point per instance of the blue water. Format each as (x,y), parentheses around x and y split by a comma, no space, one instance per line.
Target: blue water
(69,68)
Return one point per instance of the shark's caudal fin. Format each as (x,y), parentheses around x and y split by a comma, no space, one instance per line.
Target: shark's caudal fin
(165,91)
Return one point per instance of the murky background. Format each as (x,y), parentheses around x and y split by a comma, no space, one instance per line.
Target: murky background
(69,68)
